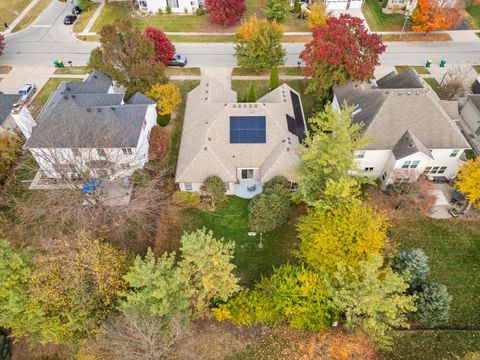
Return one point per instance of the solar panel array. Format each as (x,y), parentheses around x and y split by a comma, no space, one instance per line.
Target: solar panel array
(247,130)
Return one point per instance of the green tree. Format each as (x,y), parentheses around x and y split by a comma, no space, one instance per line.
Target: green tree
(206,268)
(433,305)
(127,57)
(328,157)
(84,4)
(413,265)
(347,233)
(214,188)
(259,45)
(277,10)
(372,298)
(274,79)
(293,295)
(252,96)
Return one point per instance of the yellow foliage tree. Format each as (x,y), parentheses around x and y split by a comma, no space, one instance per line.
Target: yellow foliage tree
(468,181)
(347,233)
(317,16)
(167,96)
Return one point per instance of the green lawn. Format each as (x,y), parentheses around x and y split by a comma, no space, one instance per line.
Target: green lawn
(418,69)
(9,10)
(477,68)
(47,89)
(474,15)
(32,14)
(283,70)
(262,87)
(230,222)
(75,70)
(202,38)
(186,71)
(433,84)
(378,21)
(84,18)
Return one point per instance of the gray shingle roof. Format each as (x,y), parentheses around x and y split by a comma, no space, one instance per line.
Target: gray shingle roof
(475,100)
(409,144)
(407,79)
(95,83)
(6,105)
(139,98)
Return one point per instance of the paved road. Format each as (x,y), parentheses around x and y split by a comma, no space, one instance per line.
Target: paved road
(48,39)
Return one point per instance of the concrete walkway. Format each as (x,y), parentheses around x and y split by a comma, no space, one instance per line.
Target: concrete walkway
(90,23)
(19,17)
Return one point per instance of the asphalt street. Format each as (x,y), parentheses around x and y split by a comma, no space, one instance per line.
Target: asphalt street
(49,39)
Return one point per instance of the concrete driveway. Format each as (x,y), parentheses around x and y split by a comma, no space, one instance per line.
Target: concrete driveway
(20,75)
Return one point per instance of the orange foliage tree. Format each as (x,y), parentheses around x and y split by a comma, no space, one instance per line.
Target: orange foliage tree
(431,15)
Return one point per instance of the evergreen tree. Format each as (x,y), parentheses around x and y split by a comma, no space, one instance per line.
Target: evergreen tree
(274,79)
(277,10)
(252,97)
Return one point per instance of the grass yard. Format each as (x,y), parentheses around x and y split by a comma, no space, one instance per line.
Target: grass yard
(378,21)
(9,10)
(473,12)
(230,222)
(75,70)
(48,88)
(419,69)
(5,69)
(202,38)
(186,71)
(294,24)
(283,70)
(433,84)
(477,68)
(84,18)
(417,37)
(32,14)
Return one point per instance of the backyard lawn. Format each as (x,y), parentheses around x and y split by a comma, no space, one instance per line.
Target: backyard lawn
(9,10)
(474,16)
(378,21)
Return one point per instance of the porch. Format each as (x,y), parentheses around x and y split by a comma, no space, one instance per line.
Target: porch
(247,189)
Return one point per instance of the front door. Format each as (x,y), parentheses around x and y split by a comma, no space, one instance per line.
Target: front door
(247,174)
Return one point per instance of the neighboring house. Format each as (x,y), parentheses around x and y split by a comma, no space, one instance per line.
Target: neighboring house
(476,86)
(411,131)
(471,114)
(86,130)
(407,6)
(14,116)
(245,144)
(177,6)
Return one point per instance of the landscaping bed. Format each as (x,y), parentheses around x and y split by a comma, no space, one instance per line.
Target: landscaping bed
(5,69)
(378,21)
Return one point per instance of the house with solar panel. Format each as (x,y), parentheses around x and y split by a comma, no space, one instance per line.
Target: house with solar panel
(245,144)
(412,132)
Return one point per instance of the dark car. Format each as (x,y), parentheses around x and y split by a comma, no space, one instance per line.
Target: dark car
(76,10)
(178,60)
(69,19)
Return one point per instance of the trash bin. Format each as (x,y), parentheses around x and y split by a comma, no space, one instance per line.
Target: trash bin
(428,63)
(442,63)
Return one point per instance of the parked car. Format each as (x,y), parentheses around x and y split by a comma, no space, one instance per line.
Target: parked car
(178,60)
(76,10)
(69,19)
(27,91)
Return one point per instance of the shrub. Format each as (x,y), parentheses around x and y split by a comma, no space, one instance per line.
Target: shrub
(200,12)
(84,4)
(163,120)
(297,6)
(225,12)
(184,198)
(214,188)
(185,10)
(276,181)
(252,96)
(274,79)
(140,177)
(433,305)
(277,10)
(160,12)
(168,10)
(413,265)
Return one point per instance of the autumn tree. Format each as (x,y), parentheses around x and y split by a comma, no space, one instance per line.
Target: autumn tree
(225,12)
(214,188)
(348,233)
(372,298)
(468,181)
(431,15)
(277,10)
(167,96)
(2,44)
(327,157)
(127,57)
(317,15)
(259,44)
(342,50)
(164,49)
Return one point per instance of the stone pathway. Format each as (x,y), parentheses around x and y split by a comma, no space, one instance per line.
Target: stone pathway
(19,17)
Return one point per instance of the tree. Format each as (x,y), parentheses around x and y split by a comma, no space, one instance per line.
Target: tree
(328,157)
(2,44)
(277,10)
(252,97)
(214,188)
(413,266)
(293,295)
(206,267)
(456,82)
(84,4)
(372,298)
(167,96)
(259,44)
(128,57)
(468,181)
(164,49)
(317,16)
(433,305)
(274,79)
(225,12)
(349,232)
(431,15)
(342,50)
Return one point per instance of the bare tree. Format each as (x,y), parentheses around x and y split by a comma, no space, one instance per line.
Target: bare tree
(137,336)
(456,82)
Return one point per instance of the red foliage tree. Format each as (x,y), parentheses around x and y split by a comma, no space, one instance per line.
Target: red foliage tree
(225,12)
(341,50)
(431,15)
(2,44)
(164,49)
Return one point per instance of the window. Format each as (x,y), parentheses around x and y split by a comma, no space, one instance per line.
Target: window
(427,169)
(127,151)
(442,170)
(406,164)
(368,169)
(172,3)
(360,154)
(247,173)
(454,153)
(414,164)
(125,166)
(188,187)
(434,170)
(101,152)
(76,152)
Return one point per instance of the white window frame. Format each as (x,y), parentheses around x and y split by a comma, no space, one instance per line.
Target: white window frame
(188,186)
(454,152)
(406,164)
(360,154)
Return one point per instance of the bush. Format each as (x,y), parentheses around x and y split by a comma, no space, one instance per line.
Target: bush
(184,198)
(274,79)
(140,177)
(200,12)
(160,12)
(272,184)
(384,3)
(413,265)
(214,189)
(296,6)
(84,4)
(163,120)
(168,10)
(252,96)
(433,305)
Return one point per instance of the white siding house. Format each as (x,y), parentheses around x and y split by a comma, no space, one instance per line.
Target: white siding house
(471,114)
(14,115)
(343,4)
(177,6)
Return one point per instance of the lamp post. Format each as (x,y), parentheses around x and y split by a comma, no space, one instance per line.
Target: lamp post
(407,16)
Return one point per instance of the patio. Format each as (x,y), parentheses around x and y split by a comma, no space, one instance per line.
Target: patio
(247,189)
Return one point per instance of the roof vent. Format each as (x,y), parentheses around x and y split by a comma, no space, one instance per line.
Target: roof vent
(410,145)
(206,84)
(113,109)
(255,105)
(209,139)
(418,92)
(68,89)
(72,96)
(283,141)
(65,97)
(288,149)
(206,98)
(99,109)
(205,148)
(206,122)
(89,109)
(95,76)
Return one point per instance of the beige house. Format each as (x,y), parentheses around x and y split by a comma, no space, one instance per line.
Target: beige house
(245,144)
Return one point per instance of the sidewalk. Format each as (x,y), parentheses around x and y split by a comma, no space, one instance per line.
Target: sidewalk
(86,30)
(19,17)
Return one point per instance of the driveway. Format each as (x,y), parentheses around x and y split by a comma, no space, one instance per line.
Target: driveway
(46,40)
(25,74)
